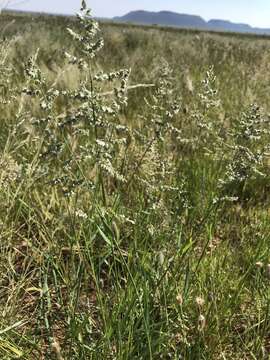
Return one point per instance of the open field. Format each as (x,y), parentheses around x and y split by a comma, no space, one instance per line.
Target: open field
(135,182)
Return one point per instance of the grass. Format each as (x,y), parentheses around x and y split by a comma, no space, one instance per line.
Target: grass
(134,219)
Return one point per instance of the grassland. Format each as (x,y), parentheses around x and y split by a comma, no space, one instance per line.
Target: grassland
(134,212)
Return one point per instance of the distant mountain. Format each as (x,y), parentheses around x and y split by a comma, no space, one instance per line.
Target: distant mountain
(163,18)
(228,26)
(168,18)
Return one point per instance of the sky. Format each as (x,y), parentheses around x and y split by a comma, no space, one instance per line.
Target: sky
(255,12)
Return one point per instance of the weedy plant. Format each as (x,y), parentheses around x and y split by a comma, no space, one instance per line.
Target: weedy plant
(87,136)
(248,151)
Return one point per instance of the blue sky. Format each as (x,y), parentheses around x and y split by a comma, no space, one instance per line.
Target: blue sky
(255,12)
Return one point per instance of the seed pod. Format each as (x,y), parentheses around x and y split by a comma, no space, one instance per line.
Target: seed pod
(201,323)
(259,265)
(179,299)
(200,302)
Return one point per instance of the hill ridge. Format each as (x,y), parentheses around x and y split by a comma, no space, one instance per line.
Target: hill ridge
(182,20)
